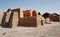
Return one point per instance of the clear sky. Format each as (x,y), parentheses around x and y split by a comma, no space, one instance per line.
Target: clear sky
(51,6)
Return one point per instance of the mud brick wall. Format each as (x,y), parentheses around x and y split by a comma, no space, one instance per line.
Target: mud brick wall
(54,18)
(27,13)
(28,22)
(4,17)
(5,20)
(34,13)
(59,18)
(1,16)
(13,17)
(3,23)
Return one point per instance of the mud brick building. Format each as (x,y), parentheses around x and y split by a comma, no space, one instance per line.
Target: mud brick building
(59,17)
(40,20)
(19,17)
(53,17)
(1,15)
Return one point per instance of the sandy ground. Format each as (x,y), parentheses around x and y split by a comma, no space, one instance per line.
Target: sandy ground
(48,30)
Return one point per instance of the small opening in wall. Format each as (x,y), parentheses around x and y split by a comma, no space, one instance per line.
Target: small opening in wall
(41,22)
(39,13)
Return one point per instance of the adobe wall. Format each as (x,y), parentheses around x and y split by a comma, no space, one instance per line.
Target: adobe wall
(15,16)
(59,17)
(47,20)
(28,22)
(40,20)
(3,23)
(27,13)
(15,19)
(54,18)
(7,16)
(21,12)
(30,13)
(34,13)
(1,15)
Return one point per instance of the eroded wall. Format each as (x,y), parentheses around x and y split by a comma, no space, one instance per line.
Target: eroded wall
(1,16)
(17,17)
(28,22)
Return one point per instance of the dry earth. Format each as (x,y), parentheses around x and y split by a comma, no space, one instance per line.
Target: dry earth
(48,30)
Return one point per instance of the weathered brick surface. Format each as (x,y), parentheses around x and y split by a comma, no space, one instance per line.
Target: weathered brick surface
(3,23)
(1,15)
(28,22)
(27,13)
(7,16)
(54,18)
(40,20)
(59,17)
(15,19)
(5,20)
(34,13)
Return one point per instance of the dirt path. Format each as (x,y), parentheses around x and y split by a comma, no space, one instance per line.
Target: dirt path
(48,30)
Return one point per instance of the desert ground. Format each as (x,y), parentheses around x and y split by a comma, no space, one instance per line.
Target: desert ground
(47,30)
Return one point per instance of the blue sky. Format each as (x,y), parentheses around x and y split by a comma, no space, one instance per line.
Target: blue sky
(51,6)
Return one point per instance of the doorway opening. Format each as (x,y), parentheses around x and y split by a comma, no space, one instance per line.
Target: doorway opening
(41,22)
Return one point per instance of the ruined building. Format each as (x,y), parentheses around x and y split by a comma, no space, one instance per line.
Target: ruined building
(53,17)
(20,17)
(59,17)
